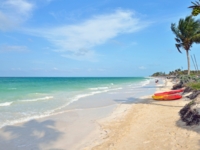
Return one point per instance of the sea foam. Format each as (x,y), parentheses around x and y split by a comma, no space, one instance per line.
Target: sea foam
(37,99)
(6,104)
(99,88)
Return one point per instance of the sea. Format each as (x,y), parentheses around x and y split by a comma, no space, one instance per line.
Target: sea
(26,98)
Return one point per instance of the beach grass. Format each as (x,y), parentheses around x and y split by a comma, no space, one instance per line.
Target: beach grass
(194,85)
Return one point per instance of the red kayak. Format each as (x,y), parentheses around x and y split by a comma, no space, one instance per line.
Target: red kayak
(169,92)
(167,97)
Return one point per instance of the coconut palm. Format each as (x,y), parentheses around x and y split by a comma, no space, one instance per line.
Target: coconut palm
(195,8)
(187,32)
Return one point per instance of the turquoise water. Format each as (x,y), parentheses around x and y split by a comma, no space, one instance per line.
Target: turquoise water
(23,99)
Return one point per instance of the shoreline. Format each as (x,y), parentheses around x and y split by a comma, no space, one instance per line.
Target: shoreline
(36,104)
(109,121)
(149,124)
(74,129)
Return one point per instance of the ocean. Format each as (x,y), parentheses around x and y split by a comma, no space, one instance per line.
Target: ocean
(26,98)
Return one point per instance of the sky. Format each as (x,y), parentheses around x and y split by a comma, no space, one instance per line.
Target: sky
(107,38)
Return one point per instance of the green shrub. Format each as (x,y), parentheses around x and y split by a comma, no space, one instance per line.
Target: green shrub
(194,85)
(188,78)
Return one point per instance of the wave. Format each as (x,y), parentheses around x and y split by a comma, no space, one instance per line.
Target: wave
(6,104)
(76,98)
(85,95)
(28,118)
(141,84)
(37,99)
(27,100)
(99,88)
(119,88)
(146,82)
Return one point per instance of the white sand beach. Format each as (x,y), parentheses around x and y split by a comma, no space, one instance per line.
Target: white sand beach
(149,124)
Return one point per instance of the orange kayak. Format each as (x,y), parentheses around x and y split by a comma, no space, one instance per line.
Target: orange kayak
(169,92)
(167,97)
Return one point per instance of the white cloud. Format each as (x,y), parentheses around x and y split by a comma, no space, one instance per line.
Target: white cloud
(5,23)
(19,6)
(14,12)
(13,48)
(98,30)
(82,54)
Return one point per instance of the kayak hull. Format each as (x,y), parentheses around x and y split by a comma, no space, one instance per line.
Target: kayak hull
(167,97)
(169,92)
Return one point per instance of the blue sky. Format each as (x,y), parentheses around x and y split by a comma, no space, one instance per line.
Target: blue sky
(90,38)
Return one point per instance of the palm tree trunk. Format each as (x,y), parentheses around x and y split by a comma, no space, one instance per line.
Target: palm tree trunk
(188,61)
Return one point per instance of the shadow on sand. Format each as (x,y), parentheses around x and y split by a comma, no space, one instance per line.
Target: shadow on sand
(29,136)
(158,86)
(149,100)
(183,125)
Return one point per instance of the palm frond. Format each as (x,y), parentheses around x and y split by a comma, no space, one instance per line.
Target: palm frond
(178,46)
(177,40)
(175,30)
(196,38)
(195,4)
(187,32)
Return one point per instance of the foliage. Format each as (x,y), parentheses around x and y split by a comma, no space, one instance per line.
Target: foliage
(177,72)
(158,74)
(194,85)
(189,79)
(187,32)
(195,11)
(195,8)
(185,79)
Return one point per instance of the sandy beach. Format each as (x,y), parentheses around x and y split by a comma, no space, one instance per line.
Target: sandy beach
(149,124)
(130,122)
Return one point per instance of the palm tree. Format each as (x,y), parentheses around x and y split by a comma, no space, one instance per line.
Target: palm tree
(195,8)
(187,32)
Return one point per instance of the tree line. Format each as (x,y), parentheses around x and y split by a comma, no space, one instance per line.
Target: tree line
(176,72)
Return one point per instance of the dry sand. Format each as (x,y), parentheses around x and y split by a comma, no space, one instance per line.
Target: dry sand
(147,125)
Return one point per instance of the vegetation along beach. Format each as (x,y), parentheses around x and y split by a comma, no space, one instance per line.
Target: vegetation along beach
(99,75)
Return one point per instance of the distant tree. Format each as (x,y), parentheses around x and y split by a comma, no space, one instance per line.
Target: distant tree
(187,32)
(159,74)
